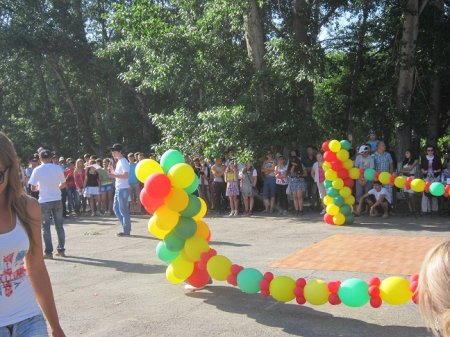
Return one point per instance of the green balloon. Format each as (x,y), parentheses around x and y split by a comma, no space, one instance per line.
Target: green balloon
(437,189)
(164,254)
(346,209)
(173,242)
(192,208)
(192,187)
(248,280)
(338,200)
(345,144)
(369,174)
(185,228)
(332,192)
(349,218)
(328,184)
(170,158)
(354,292)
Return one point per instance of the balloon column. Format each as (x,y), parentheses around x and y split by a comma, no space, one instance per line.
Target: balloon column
(177,220)
(339,174)
(339,180)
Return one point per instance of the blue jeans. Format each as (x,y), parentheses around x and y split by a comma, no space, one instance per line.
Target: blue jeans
(31,327)
(73,199)
(121,210)
(53,209)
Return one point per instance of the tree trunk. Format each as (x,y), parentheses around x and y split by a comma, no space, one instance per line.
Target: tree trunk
(405,86)
(85,128)
(356,71)
(254,38)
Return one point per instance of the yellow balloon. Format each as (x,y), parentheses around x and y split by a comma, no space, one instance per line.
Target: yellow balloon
(316,292)
(384,178)
(334,145)
(339,219)
(418,185)
(348,164)
(326,166)
(177,200)
(147,167)
(342,155)
(338,184)
(170,276)
(155,230)
(202,230)
(282,288)
(331,175)
(327,200)
(181,175)
(203,210)
(332,209)
(400,182)
(395,290)
(165,218)
(194,247)
(219,267)
(345,192)
(350,200)
(182,268)
(354,173)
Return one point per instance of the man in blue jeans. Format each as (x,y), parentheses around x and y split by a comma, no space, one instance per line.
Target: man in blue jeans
(120,205)
(49,179)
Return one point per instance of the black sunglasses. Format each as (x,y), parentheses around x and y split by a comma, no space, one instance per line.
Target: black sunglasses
(2,175)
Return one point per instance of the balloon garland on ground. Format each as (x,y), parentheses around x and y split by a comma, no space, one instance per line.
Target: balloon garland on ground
(339,180)
(177,220)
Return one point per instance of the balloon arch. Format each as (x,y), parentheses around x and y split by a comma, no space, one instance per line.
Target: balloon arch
(177,221)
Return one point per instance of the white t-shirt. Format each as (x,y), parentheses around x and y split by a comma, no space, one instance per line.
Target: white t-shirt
(122,166)
(48,177)
(383,192)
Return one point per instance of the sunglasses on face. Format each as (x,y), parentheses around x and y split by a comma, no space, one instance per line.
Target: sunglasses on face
(2,176)
(430,150)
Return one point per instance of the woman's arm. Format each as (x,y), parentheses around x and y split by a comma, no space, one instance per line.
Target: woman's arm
(38,274)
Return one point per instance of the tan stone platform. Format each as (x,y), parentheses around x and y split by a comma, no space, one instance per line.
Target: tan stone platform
(396,255)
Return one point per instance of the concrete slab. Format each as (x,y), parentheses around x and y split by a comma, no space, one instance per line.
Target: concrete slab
(110,286)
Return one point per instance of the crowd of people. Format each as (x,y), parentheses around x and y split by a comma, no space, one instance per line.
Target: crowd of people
(283,182)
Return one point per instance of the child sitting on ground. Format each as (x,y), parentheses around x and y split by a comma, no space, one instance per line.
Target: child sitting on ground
(378,200)
(434,290)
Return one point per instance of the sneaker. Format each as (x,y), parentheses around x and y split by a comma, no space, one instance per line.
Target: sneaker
(236,212)
(60,254)
(48,256)
(231,213)
(120,234)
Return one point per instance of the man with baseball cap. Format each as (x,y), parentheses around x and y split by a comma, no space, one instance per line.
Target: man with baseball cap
(120,174)
(363,161)
(49,179)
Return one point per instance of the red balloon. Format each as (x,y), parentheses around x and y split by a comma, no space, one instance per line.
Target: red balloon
(376,302)
(328,219)
(157,185)
(374,281)
(325,146)
(199,277)
(447,191)
(408,183)
(336,165)
(374,291)
(427,187)
(330,156)
(392,180)
(300,299)
(301,282)
(349,182)
(343,173)
(232,279)
(377,174)
(150,204)
(415,298)
(334,299)
(333,287)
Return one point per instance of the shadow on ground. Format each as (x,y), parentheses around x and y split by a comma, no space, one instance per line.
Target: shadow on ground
(126,267)
(298,320)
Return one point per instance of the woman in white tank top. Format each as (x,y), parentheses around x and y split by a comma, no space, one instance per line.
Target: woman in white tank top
(25,287)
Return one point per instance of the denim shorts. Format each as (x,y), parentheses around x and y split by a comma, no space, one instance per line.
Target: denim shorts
(269,187)
(31,327)
(107,188)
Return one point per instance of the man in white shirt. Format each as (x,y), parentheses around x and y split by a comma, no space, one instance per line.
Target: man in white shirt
(120,174)
(49,179)
(378,200)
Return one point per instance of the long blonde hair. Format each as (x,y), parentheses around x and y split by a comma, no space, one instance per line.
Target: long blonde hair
(14,194)
(434,290)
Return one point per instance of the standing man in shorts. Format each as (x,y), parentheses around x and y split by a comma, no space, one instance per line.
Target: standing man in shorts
(122,194)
